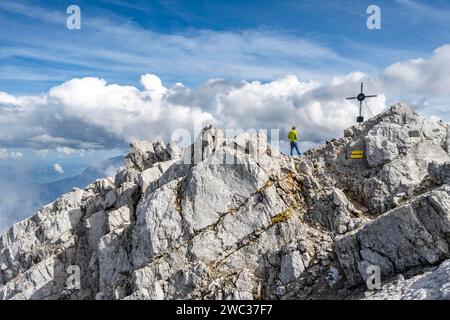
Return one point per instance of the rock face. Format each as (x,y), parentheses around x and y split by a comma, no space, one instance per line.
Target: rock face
(235,219)
(412,235)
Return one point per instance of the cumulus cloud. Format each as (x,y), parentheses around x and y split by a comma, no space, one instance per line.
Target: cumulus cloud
(423,81)
(58,168)
(428,76)
(319,111)
(90,113)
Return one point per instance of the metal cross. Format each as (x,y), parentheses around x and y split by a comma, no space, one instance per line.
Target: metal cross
(361,98)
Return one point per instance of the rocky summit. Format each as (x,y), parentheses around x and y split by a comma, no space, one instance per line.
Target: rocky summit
(366,216)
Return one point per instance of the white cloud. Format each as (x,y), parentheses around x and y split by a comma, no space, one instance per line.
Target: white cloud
(319,111)
(423,82)
(429,76)
(58,168)
(90,113)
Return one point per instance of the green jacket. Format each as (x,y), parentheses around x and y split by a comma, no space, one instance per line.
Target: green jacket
(293,136)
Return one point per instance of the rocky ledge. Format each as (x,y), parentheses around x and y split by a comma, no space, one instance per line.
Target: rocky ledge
(234,218)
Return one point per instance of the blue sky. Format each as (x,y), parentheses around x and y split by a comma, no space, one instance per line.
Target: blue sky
(120,40)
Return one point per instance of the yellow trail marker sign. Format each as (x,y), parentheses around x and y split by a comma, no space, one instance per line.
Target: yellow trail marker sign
(357,154)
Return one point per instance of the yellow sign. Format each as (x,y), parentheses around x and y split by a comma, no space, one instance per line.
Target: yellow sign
(357,154)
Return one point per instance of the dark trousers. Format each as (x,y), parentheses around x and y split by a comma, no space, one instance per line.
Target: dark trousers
(294,145)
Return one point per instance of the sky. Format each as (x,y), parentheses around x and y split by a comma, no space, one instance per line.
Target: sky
(143,69)
(194,41)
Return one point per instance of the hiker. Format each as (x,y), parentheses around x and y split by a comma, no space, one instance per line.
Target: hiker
(293,136)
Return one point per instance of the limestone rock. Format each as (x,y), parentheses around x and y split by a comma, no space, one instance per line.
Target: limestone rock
(439,172)
(144,154)
(335,211)
(119,218)
(410,236)
(291,267)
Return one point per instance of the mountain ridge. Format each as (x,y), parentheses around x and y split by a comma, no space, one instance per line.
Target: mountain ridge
(170,225)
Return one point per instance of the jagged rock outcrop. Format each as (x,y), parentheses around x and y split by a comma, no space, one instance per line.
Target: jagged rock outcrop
(412,235)
(234,218)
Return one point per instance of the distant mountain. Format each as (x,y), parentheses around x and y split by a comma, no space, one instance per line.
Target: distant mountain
(19,199)
(48,192)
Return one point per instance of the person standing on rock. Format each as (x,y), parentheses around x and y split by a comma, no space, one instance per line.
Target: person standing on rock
(293,137)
